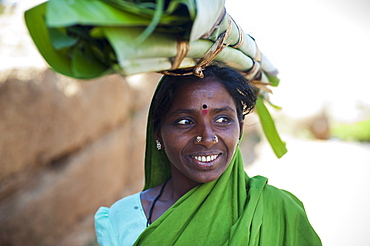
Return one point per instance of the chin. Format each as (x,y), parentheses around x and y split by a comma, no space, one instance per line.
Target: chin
(206,178)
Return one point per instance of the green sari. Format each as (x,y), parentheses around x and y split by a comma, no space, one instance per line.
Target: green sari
(232,210)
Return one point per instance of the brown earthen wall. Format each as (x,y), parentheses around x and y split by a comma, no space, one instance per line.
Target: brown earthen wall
(66,148)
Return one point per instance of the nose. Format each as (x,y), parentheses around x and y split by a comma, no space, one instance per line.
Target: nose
(206,135)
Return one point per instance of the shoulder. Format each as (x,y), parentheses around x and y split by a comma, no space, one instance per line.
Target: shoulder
(276,203)
(272,194)
(120,223)
(104,231)
(284,212)
(127,211)
(125,205)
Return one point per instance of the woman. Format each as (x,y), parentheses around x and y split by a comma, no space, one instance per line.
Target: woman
(197,192)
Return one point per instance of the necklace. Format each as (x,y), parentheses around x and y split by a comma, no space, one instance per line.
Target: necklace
(149,221)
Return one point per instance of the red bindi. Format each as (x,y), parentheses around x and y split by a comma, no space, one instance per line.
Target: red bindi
(204,111)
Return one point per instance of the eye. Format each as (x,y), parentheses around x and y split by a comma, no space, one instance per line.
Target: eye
(223,120)
(184,122)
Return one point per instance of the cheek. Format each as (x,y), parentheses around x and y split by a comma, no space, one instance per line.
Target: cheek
(231,139)
(174,143)
(174,150)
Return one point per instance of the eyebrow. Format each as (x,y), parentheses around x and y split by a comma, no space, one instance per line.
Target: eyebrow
(193,111)
(183,111)
(223,109)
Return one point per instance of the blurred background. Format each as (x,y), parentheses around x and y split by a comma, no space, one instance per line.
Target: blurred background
(68,147)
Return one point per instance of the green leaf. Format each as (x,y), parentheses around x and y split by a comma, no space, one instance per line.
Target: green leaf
(62,13)
(269,129)
(274,80)
(157,45)
(59,38)
(72,63)
(273,105)
(85,64)
(136,7)
(153,24)
(58,60)
(190,5)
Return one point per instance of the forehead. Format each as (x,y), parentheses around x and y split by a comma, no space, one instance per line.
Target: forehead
(194,94)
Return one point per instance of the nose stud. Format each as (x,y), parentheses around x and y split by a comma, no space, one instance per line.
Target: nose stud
(215,139)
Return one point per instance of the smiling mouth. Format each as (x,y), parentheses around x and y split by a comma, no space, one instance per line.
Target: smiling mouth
(206,158)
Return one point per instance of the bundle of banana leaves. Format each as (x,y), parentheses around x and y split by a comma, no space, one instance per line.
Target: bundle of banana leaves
(85,39)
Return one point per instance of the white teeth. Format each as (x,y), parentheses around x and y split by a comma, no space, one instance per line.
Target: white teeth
(207,158)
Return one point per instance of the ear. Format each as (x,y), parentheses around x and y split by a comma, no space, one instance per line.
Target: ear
(158,136)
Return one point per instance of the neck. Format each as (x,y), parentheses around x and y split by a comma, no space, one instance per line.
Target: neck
(178,185)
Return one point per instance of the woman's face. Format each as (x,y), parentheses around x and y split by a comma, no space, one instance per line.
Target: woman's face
(202,108)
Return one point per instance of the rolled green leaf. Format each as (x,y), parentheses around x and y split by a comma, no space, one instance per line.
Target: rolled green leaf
(166,48)
(208,11)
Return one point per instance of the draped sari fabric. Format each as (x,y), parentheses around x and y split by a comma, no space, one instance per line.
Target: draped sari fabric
(232,210)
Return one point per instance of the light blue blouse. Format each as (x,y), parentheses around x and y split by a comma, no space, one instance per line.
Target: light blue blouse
(122,223)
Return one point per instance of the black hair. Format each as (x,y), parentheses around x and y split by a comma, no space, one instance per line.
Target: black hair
(235,83)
